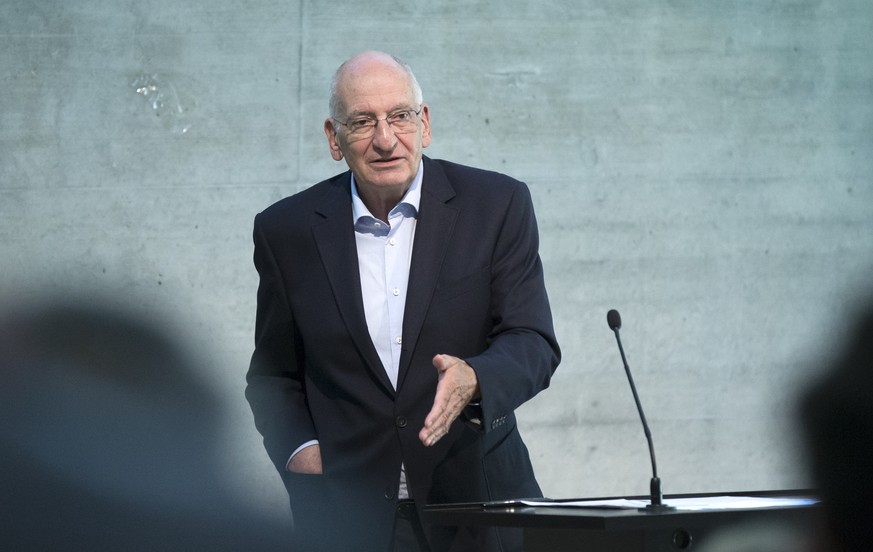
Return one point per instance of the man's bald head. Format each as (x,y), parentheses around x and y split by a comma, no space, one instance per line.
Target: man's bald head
(361,65)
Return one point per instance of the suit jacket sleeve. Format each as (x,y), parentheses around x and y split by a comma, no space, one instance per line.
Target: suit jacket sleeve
(522,351)
(275,387)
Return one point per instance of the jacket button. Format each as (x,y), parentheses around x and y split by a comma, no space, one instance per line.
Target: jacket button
(389,494)
(401,421)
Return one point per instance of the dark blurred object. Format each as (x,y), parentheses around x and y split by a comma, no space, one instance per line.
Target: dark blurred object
(108,440)
(837,422)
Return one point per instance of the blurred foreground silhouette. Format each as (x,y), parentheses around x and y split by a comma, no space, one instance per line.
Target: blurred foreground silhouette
(837,422)
(108,439)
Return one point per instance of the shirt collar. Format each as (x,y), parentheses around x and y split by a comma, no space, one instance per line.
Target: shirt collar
(408,205)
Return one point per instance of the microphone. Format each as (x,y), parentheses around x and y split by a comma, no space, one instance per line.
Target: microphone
(657,497)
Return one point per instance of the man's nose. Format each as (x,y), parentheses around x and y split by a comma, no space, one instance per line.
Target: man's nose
(384,137)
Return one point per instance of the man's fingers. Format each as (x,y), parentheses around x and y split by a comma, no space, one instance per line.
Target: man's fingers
(432,430)
(455,388)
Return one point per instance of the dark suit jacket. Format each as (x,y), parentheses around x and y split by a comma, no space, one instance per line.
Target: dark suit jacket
(476,291)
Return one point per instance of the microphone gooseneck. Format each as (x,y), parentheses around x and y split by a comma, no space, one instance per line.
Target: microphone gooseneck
(613,318)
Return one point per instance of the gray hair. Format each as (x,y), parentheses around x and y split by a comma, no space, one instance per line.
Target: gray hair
(334,103)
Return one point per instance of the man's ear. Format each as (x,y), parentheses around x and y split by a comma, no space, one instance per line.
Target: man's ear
(425,125)
(332,142)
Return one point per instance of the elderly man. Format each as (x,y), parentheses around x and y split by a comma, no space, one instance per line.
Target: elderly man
(402,318)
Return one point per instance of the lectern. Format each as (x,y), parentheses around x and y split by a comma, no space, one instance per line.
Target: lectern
(616,525)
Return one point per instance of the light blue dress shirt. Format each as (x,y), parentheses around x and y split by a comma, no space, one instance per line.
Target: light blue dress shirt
(384,254)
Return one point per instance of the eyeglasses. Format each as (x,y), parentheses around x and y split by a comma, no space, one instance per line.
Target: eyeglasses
(402,121)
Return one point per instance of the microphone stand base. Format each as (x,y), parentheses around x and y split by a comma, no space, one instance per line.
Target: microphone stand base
(657,509)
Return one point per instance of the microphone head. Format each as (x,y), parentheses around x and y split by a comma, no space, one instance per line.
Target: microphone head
(613,319)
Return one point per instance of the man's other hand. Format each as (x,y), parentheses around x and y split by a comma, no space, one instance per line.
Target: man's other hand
(307,460)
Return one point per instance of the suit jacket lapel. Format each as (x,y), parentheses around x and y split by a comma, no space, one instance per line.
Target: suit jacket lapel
(433,233)
(335,239)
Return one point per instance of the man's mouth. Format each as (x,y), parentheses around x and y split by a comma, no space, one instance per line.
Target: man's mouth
(386,162)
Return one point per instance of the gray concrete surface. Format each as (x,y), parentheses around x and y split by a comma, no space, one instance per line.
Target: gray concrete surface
(704,167)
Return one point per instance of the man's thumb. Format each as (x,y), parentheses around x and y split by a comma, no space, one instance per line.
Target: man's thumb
(440,362)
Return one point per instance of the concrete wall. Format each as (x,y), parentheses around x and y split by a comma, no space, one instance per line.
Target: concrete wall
(704,167)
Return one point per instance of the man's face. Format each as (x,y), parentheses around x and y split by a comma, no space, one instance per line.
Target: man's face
(385,161)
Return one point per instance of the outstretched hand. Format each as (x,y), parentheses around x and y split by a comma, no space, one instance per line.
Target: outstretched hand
(456,387)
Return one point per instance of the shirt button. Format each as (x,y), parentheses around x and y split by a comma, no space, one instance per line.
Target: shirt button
(392,241)
(395,291)
(398,340)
